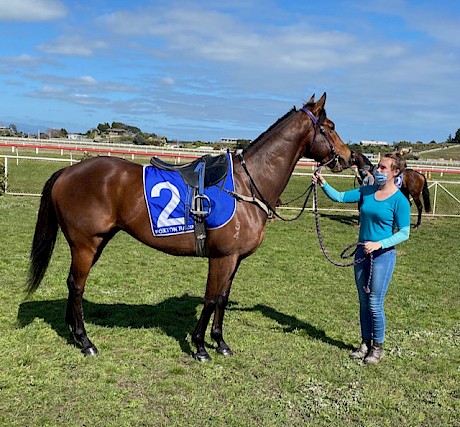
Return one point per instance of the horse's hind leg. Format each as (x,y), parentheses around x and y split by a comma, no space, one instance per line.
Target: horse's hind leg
(418,203)
(220,277)
(82,260)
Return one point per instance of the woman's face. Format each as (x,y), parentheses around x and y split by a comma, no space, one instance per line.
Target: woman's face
(386,167)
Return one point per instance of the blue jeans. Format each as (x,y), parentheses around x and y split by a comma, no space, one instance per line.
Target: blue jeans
(371,311)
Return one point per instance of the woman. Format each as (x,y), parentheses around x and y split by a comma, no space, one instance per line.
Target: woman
(385,222)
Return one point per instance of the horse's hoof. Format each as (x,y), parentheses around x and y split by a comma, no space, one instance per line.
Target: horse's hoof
(225,351)
(90,351)
(202,356)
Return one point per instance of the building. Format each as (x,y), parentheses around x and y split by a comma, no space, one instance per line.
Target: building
(229,140)
(373,142)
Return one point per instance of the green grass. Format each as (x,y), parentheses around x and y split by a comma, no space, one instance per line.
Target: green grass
(448,153)
(292,321)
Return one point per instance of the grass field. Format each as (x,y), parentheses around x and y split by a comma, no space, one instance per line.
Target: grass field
(450,153)
(291,322)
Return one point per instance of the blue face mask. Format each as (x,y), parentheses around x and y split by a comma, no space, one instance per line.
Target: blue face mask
(380,177)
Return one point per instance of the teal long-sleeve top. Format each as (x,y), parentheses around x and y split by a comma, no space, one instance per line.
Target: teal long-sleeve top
(384,221)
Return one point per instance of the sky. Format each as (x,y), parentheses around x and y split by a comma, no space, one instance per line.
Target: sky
(206,70)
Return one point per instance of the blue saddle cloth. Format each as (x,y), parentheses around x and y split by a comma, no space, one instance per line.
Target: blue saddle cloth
(166,198)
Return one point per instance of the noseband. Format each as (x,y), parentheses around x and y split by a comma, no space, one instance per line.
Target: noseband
(317,125)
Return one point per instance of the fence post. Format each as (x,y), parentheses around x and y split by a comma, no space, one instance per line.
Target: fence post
(6,174)
(435,196)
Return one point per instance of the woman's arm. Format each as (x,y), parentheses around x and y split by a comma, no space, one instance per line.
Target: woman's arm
(397,238)
(351,196)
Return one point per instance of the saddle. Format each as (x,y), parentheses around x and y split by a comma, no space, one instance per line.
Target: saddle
(212,170)
(199,174)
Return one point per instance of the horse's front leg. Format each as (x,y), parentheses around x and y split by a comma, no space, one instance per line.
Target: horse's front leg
(220,277)
(217,324)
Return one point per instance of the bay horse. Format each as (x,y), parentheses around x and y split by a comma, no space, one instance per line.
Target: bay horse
(414,184)
(92,200)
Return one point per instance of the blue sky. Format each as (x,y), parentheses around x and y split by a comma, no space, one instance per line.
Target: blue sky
(205,70)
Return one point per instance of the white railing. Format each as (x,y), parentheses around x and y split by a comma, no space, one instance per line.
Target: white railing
(441,192)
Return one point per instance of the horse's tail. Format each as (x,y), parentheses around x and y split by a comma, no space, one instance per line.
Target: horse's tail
(44,237)
(426,196)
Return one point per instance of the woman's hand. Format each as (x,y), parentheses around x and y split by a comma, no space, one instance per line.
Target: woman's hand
(317,178)
(370,247)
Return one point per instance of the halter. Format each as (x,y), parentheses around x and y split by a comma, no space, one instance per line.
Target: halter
(317,125)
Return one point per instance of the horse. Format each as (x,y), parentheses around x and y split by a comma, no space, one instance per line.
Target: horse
(414,184)
(93,200)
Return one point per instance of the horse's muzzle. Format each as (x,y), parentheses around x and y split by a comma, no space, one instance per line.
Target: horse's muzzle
(340,164)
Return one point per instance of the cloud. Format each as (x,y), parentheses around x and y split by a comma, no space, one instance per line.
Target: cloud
(83,85)
(32,10)
(49,92)
(168,81)
(72,46)
(195,34)
(16,64)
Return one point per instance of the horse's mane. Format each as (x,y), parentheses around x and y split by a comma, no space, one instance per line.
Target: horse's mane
(270,129)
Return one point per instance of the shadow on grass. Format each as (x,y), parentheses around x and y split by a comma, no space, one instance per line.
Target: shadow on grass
(291,323)
(175,316)
(344,219)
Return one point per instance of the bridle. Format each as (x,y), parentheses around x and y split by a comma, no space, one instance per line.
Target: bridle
(317,125)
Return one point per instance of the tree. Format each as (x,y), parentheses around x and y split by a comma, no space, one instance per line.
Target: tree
(456,139)
(57,133)
(128,128)
(140,139)
(103,127)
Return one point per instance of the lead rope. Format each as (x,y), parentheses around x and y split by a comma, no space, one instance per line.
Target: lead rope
(343,254)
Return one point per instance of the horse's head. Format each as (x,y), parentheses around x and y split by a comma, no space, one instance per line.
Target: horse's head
(359,160)
(362,163)
(327,147)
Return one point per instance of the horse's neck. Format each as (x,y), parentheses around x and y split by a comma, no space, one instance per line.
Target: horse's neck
(272,160)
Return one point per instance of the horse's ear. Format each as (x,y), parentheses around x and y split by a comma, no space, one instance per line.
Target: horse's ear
(319,106)
(322,101)
(312,99)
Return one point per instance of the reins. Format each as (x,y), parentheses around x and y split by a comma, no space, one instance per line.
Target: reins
(268,209)
(344,254)
(263,204)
